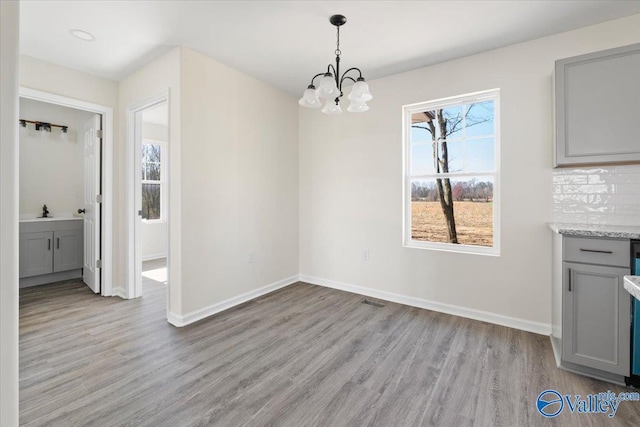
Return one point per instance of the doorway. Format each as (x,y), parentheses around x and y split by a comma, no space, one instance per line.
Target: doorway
(71,236)
(148,218)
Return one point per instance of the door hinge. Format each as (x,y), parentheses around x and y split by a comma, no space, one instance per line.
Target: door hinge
(98,198)
(100,133)
(99,263)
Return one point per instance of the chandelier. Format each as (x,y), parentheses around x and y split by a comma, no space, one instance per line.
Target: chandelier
(330,86)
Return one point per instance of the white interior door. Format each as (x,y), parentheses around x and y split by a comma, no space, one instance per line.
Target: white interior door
(91,272)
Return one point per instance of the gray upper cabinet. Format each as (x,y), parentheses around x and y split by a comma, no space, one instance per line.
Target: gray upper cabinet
(597,108)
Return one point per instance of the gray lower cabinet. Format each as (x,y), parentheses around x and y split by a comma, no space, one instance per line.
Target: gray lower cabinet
(591,311)
(597,105)
(36,253)
(596,317)
(49,247)
(68,248)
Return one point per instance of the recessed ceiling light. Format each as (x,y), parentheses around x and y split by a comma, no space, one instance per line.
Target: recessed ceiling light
(82,35)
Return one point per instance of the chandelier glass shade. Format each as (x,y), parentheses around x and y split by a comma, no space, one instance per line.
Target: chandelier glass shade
(330,84)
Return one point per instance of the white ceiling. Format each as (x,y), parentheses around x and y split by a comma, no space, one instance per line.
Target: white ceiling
(285,43)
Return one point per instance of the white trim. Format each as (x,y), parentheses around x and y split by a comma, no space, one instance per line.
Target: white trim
(194,316)
(119,292)
(133,268)
(557,352)
(154,256)
(407,178)
(470,313)
(106,280)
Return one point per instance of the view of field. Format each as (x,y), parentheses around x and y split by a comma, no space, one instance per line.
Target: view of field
(474,222)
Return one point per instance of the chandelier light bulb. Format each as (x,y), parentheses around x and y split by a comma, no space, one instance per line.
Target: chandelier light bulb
(310,98)
(328,88)
(360,91)
(357,107)
(331,107)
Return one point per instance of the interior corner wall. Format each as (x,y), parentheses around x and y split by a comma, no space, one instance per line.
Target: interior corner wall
(240,183)
(351,184)
(9,48)
(159,75)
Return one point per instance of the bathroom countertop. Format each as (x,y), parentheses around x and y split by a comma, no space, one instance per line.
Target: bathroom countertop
(596,230)
(64,216)
(632,285)
(51,219)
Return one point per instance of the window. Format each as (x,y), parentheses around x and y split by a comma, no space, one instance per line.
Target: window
(451,184)
(152,181)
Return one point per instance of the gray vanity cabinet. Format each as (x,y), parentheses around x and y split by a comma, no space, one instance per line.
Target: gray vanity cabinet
(49,247)
(597,105)
(68,250)
(36,253)
(596,317)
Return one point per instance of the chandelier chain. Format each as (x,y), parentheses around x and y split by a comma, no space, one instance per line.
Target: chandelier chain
(338,51)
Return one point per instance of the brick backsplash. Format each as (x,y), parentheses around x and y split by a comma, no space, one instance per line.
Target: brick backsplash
(602,195)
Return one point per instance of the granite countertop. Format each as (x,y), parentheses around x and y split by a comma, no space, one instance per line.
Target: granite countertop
(596,230)
(632,285)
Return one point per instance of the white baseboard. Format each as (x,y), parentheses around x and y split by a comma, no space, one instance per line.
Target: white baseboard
(152,257)
(119,292)
(194,316)
(485,316)
(557,351)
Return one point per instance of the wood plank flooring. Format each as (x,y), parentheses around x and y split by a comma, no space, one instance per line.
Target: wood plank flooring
(301,356)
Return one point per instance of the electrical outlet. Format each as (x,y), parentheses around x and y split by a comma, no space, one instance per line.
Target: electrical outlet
(252,257)
(365,255)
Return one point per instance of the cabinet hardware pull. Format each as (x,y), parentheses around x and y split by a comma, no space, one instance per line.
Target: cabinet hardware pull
(48,244)
(58,243)
(596,250)
(569,280)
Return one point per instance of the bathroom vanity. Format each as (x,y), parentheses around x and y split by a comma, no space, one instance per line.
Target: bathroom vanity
(51,249)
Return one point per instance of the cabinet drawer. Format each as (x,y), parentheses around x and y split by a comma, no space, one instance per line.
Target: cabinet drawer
(614,252)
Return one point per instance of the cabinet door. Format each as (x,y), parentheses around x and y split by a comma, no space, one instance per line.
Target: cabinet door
(597,105)
(36,253)
(68,250)
(596,317)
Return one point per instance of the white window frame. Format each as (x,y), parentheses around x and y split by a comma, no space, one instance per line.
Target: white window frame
(407,111)
(161,182)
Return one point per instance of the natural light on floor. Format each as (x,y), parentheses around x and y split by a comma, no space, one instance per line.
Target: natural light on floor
(155,270)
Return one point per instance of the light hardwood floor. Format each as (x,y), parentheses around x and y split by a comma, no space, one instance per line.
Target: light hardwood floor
(301,356)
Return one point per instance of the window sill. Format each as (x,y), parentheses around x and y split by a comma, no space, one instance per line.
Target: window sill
(450,247)
(154,221)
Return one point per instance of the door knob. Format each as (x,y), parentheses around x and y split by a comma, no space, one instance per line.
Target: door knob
(81,211)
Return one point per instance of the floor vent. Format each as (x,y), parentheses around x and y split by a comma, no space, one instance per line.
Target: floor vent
(373,303)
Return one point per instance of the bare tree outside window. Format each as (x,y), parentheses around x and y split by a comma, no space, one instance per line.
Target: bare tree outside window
(151,181)
(452,166)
